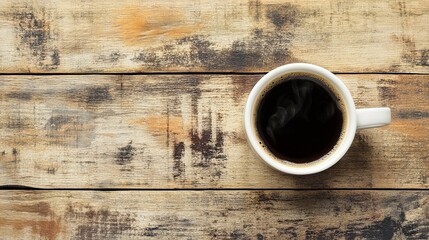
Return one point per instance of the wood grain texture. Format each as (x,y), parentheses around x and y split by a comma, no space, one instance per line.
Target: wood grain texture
(186,131)
(212,35)
(214,215)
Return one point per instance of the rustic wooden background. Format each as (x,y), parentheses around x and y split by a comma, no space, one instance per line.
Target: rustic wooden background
(123,119)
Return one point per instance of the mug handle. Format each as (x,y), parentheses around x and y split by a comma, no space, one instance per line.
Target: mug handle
(372,117)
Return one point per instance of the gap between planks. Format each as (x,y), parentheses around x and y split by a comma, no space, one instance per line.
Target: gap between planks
(20,188)
(191,73)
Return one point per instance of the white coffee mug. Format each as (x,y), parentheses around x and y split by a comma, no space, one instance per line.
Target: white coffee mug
(355,119)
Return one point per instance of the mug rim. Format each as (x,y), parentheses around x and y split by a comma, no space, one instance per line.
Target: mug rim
(343,92)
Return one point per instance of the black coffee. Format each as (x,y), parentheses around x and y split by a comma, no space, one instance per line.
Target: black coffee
(299,120)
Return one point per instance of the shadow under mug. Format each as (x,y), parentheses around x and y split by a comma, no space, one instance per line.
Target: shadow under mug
(355,119)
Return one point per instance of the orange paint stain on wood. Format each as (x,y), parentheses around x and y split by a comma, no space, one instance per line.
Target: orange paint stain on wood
(45,229)
(44,223)
(143,26)
(161,124)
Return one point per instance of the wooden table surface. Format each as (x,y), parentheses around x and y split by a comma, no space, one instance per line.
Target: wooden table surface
(123,119)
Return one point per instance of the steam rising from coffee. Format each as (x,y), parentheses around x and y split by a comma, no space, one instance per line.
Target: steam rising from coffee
(299,104)
(300,119)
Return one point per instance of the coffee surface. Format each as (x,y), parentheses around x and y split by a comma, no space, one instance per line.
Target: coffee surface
(299,120)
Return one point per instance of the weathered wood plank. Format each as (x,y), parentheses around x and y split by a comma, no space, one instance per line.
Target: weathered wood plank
(214,215)
(212,35)
(174,131)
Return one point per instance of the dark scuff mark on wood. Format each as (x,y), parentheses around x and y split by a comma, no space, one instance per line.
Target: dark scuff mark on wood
(15,154)
(18,121)
(416,57)
(34,31)
(283,15)
(177,139)
(125,154)
(237,235)
(241,54)
(219,134)
(412,114)
(387,228)
(410,53)
(195,96)
(113,57)
(162,227)
(203,146)
(94,95)
(363,143)
(20,95)
(91,96)
(151,231)
(36,37)
(386,89)
(416,230)
(424,58)
(168,128)
(288,232)
(179,165)
(218,234)
(58,121)
(207,148)
(263,198)
(55,57)
(384,229)
(267,200)
(51,170)
(171,87)
(150,59)
(242,85)
(386,92)
(101,223)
